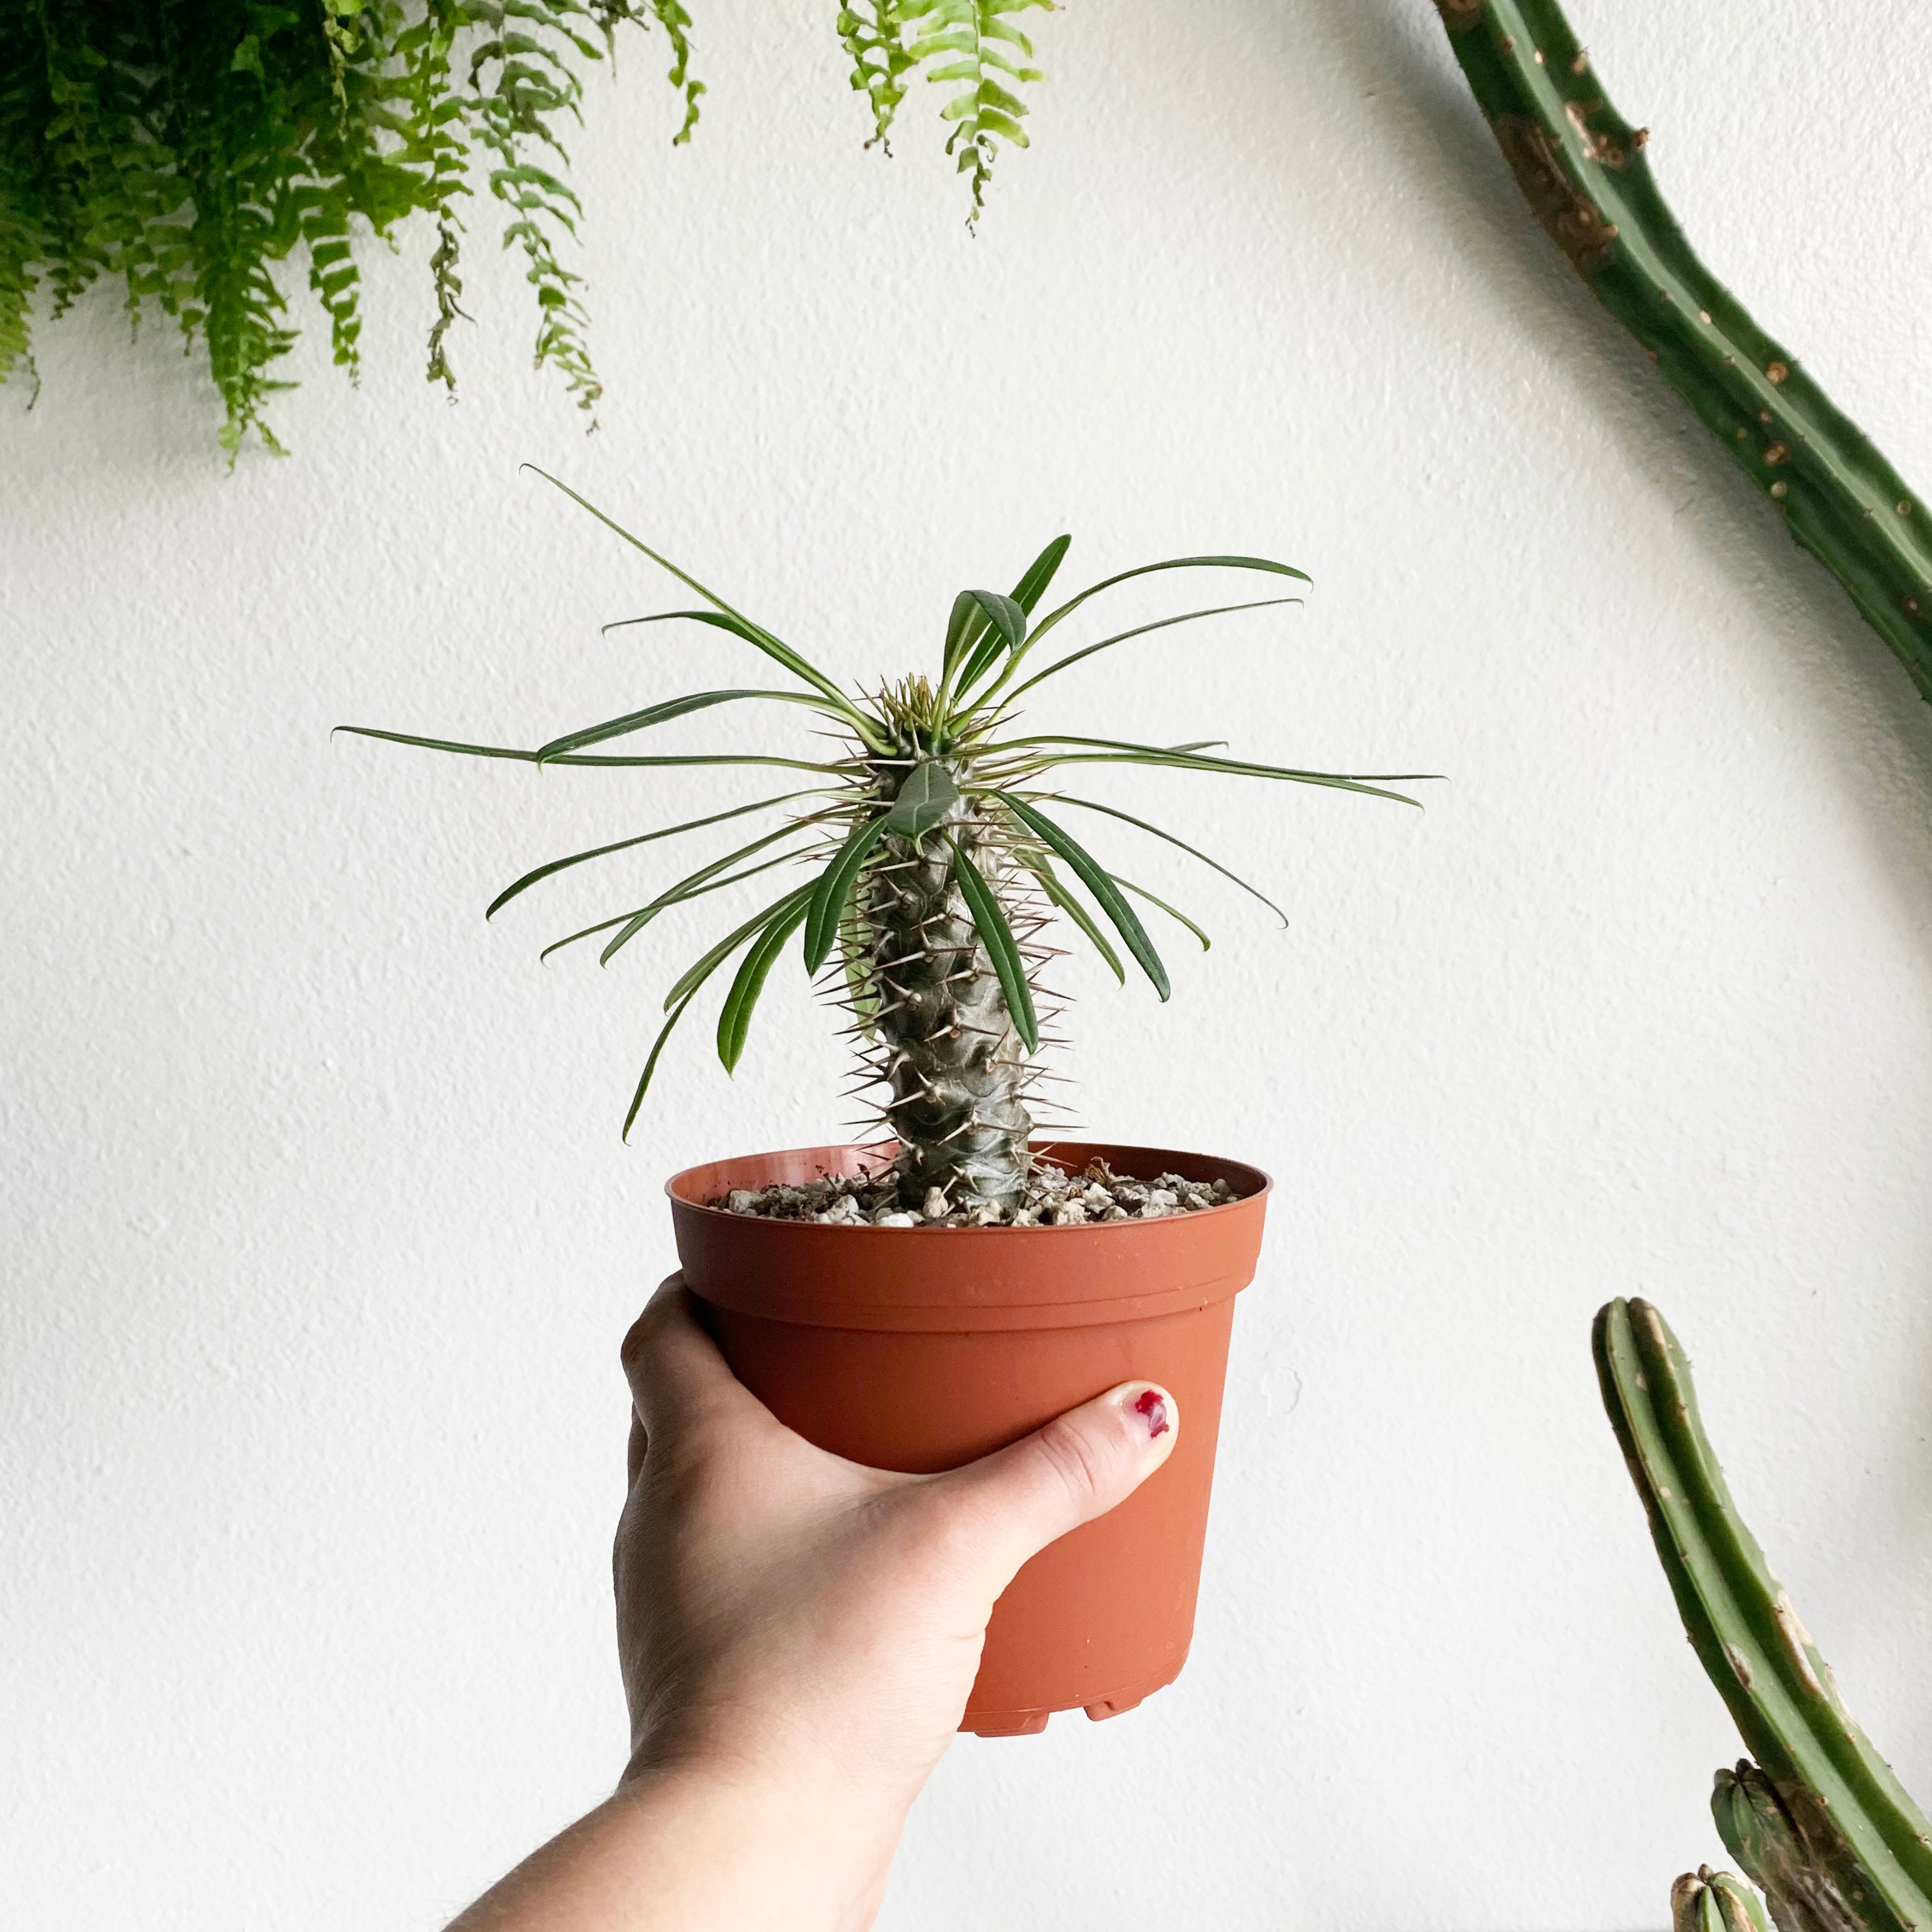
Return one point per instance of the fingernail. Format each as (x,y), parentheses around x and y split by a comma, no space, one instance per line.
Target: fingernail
(1150,1406)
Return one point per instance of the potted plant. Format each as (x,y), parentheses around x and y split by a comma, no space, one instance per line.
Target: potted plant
(917,1302)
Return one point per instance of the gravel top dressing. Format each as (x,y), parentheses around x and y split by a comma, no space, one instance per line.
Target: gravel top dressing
(1054,1199)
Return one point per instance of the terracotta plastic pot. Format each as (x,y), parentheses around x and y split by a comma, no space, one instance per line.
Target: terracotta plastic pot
(920,1349)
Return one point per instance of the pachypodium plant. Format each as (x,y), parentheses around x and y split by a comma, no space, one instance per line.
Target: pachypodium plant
(1819,1823)
(936,855)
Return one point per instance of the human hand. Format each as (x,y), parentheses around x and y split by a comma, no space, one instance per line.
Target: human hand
(797,1635)
(813,1625)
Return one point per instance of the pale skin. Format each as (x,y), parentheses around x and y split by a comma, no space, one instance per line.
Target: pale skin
(797,1636)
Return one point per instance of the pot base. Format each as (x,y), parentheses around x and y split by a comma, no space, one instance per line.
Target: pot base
(1030,1723)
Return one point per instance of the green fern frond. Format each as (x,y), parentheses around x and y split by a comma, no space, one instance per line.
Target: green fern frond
(677,24)
(973,42)
(871,31)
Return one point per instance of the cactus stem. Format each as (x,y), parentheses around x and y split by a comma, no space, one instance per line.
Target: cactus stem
(1825,1820)
(1581,168)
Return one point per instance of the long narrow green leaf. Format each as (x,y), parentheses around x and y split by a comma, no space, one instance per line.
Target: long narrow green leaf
(666,901)
(1032,587)
(834,886)
(963,629)
(1214,865)
(859,987)
(1120,752)
(585,757)
(1073,604)
(867,727)
(753,633)
(1050,884)
(718,620)
(1027,592)
(556,866)
(662,714)
(1097,881)
(983,623)
(651,1065)
(688,885)
(1172,912)
(1139,630)
(696,974)
(1001,947)
(735,1021)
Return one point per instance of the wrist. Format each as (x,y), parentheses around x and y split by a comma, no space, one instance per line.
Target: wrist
(755,1848)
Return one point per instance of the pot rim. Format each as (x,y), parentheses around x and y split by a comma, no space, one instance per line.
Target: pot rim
(884,1149)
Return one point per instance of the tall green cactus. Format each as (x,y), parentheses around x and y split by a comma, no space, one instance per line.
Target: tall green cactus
(1824,1829)
(1582,167)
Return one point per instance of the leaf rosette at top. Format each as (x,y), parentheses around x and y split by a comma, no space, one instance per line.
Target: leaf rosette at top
(936,853)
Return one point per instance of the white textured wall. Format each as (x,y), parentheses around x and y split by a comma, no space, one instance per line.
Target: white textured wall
(319,1237)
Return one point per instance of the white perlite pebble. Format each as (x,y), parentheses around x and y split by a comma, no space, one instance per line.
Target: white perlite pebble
(896,1221)
(1025,1217)
(936,1209)
(1069,1214)
(742,1201)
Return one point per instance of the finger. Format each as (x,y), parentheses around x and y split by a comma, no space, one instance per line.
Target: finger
(674,1369)
(1018,1500)
(633,1457)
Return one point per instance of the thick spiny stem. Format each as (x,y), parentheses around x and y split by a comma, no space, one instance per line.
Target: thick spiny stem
(954,1063)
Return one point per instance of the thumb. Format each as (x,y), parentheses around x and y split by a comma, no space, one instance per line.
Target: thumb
(1010,1504)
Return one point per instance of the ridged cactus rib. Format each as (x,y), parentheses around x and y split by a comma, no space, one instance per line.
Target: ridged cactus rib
(1793,1853)
(1839,1813)
(1707,1901)
(1582,168)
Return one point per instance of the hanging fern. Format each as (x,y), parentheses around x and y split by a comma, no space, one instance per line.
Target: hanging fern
(186,148)
(871,31)
(971,42)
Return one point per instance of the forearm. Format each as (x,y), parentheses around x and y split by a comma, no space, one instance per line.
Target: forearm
(690,1850)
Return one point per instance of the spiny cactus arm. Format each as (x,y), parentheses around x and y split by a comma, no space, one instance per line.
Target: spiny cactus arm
(1808,1876)
(1581,168)
(1748,1637)
(1707,1901)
